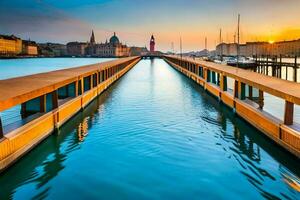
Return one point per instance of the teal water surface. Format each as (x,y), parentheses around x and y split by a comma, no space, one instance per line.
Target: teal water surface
(11,68)
(154,135)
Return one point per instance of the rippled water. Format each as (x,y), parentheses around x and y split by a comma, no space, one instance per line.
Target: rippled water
(154,135)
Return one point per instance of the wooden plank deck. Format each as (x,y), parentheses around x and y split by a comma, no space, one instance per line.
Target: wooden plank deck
(287,90)
(15,91)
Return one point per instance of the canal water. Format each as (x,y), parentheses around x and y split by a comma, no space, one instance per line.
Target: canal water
(11,68)
(154,135)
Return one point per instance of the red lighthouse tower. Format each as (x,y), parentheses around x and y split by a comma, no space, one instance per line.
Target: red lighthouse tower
(152,44)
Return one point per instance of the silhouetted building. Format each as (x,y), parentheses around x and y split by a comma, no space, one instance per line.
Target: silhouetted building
(152,44)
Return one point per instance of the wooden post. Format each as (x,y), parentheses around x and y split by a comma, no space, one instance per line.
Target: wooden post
(286,72)
(91,81)
(43,103)
(76,88)
(295,70)
(54,99)
(223,82)
(261,99)
(241,90)
(250,88)
(280,66)
(82,85)
(288,113)
(23,110)
(1,129)
(236,89)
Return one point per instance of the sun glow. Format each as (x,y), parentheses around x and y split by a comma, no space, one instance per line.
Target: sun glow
(271,41)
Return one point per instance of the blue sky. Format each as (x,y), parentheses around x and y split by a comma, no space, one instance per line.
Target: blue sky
(135,20)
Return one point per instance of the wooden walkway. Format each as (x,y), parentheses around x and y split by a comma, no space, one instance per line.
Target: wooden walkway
(284,89)
(15,91)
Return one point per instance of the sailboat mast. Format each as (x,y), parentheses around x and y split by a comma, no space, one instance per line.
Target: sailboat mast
(238,44)
(221,54)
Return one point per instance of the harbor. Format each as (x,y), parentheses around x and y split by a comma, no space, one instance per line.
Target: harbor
(161,100)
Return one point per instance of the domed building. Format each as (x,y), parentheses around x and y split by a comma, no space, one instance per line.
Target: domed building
(113,48)
(114,39)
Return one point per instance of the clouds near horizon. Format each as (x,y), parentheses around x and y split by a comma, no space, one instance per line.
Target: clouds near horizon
(135,20)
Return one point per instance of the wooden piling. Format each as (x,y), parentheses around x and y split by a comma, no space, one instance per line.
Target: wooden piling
(236,89)
(1,129)
(54,99)
(288,113)
(250,88)
(261,99)
(43,103)
(223,82)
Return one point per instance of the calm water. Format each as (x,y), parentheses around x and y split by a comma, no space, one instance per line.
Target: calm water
(10,68)
(154,135)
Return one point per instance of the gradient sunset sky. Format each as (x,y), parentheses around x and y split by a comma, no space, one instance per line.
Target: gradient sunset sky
(135,20)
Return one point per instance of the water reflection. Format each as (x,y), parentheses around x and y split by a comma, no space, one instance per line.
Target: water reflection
(243,143)
(46,161)
(82,130)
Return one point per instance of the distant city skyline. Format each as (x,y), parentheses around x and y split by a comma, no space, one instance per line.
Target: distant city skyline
(136,20)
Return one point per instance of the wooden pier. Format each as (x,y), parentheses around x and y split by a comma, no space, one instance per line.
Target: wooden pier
(214,77)
(49,99)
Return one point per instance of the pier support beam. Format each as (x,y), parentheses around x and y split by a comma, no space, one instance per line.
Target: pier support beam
(43,103)
(223,82)
(1,129)
(242,91)
(250,89)
(261,99)
(236,89)
(54,99)
(91,81)
(76,88)
(288,113)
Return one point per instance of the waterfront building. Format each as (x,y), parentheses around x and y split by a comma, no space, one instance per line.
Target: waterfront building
(29,48)
(113,48)
(284,48)
(152,44)
(10,45)
(52,49)
(138,51)
(76,48)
